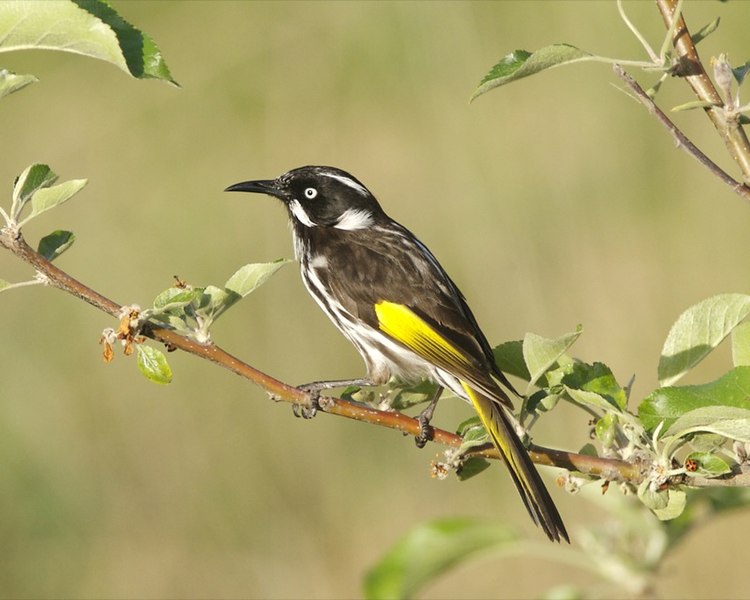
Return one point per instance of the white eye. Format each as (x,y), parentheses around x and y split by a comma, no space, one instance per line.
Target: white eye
(310,193)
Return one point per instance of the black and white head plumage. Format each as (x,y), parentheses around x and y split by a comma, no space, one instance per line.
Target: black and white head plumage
(318,196)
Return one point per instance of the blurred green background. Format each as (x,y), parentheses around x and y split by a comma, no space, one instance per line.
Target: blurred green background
(552,202)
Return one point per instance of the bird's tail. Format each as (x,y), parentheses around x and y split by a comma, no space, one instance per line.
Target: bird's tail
(525,476)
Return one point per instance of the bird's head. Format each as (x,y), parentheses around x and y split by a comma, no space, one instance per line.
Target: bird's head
(320,197)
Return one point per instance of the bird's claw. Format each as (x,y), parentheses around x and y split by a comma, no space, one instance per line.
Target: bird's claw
(425,431)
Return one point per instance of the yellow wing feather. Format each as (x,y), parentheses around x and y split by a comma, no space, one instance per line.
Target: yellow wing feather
(402,324)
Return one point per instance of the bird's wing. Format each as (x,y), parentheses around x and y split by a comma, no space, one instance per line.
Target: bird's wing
(406,294)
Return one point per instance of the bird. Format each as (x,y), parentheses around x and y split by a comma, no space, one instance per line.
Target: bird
(391,298)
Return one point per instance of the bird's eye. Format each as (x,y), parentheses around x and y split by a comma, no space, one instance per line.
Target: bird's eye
(310,193)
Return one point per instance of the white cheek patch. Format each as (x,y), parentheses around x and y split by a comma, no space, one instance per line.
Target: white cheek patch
(300,214)
(353,219)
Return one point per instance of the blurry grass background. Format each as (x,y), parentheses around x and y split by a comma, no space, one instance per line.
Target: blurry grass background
(552,202)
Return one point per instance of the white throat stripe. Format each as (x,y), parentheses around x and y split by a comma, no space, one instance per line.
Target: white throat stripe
(353,219)
(300,214)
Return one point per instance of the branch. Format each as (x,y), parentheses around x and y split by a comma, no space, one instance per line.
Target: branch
(614,470)
(682,140)
(603,468)
(689,67)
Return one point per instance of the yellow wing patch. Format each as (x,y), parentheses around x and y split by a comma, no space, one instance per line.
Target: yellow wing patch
(402,324)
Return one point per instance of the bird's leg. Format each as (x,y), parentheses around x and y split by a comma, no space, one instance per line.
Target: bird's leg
(314,388)
(424,418)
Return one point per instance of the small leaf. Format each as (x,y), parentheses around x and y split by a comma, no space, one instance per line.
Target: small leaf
(541,401)
(740,72)
(53,245)
(10,82)
(698,331)
(153,364)
(653,498)
(49,197)
(728,421)
(741,345)
(472,434)
(214,301)
(606,429)
(668,404)
(693,104)
(4,284)
(596,385)
(471,467)
(509,358)
(429,550)
(88,27)
(709,464)
(705,31)
(174,298)
(521,63)
(33,178)
(591,399)
(588,450)
(250,277)
(407,396)
(541,353)
(676,502)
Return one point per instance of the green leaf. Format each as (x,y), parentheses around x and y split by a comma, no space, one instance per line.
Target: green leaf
(10,82)
(606,429)
(542,401)
(541,353)
(595,385)
(740,72)
(53,245)
(33,178)
(705,31)
(49,197)
(88,27)
(521,63)
(407,396)
(4,284)
(670,403)
(216,301)
(692,104)
(653,498)
(698,331)
(728,421)
(509,358)
(709,464)
(153,364)
(472,434)
(741,345)
(175,298)
(429,550)
(676,501)
(250,277)
(471,467)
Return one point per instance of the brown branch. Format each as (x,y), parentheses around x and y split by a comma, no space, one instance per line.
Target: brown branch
(682,140)
(603,468)
(690,68)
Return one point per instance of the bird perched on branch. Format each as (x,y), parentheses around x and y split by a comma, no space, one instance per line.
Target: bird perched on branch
(388,294)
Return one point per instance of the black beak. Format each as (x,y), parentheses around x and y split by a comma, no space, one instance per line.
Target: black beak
(267,186)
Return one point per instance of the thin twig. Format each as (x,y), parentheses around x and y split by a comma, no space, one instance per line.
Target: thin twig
(611,469)
(681,139)
(690,68)
(602,468)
